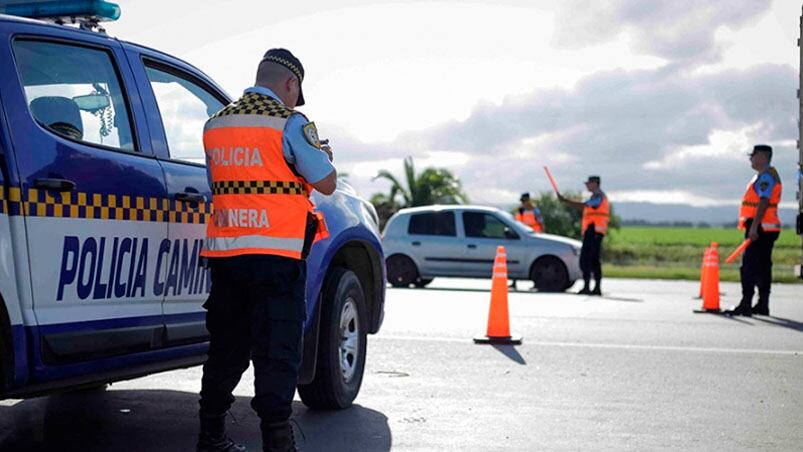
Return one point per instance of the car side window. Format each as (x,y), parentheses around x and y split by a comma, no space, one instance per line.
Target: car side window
(433,223)
(185,106)
(486,225)
(75,92)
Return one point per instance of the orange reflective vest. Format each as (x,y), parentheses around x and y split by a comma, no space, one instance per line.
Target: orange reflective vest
(529,218)
(260,206)
(771,222)
(598,216)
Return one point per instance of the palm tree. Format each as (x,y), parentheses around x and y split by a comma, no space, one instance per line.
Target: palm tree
(432,186)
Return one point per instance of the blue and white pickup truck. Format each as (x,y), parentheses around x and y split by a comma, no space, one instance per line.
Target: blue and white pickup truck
(103,204)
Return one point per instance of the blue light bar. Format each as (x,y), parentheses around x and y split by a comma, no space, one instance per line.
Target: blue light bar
(49,9)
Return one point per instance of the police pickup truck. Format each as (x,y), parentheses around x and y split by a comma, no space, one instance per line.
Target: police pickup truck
(103,204)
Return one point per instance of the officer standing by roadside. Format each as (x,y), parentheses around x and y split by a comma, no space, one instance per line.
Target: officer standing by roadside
(758,217)
(530,215)
(263,159)
(596,215)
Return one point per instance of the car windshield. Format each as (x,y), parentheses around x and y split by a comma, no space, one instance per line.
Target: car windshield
(517,225)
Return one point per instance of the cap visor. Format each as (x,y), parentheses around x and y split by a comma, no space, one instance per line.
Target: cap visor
(300,97)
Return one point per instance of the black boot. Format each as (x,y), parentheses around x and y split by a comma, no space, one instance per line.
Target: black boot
(278,437)
(213,435)
(597,290)
(743,309)
(763,306)
(586,290)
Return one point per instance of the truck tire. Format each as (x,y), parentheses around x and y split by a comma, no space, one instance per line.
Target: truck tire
(342,344)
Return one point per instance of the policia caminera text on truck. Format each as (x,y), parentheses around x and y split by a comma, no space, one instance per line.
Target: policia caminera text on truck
(103,203)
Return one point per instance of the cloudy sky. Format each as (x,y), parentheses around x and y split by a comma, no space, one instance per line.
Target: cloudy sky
(661,98)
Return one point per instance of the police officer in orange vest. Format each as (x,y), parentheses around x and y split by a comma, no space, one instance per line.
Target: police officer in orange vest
(758,217)
(263,159)
(596,215)
(530,215)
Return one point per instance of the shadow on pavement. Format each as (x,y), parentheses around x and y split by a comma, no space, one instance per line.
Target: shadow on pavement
(780,321)
(157,420)
(511,352)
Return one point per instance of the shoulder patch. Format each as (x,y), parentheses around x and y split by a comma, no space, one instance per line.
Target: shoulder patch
(763,185)
(311,134)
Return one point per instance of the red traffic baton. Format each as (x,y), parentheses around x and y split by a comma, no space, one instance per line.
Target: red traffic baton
(551,180)
(738,251)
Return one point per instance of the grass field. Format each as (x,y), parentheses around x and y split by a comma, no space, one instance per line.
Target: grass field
(676,253)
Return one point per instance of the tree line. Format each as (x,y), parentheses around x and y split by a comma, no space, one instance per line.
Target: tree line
(441,186)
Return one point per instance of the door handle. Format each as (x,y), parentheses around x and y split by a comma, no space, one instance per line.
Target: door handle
(190,197)
(472,246)
(416,243)
(61,185)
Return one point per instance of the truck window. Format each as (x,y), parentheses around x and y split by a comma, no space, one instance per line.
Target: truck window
(184,107)
(435,223)
(74,92)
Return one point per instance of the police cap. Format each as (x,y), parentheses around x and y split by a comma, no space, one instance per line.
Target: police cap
(763,148)
(594,179)
(284,58)
(525,196)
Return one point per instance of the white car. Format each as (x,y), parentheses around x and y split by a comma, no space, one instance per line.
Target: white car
(422,243)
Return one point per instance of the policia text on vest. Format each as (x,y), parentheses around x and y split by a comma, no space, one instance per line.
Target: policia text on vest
(264,159)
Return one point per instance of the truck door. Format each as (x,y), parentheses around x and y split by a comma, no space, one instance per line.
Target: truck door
(179,102)
(93,198)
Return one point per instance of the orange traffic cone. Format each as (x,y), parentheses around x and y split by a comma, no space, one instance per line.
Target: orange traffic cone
(702,272)
(498,316)
(711,281)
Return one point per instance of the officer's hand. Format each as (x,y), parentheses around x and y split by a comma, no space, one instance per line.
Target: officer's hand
(753,234)
(328,149)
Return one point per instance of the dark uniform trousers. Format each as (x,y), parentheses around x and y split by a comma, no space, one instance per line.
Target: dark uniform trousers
(256,311)
(590,255)
(756,270)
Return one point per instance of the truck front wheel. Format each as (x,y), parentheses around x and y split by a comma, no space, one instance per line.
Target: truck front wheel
(342,344)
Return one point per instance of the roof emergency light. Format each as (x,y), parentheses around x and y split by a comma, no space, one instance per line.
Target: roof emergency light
(86,13)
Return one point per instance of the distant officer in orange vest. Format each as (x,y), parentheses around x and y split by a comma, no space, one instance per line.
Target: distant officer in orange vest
(263,159)
(758,217)
(529,214)
(596,215)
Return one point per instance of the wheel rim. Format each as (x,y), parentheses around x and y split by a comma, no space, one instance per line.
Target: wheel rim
(349,339)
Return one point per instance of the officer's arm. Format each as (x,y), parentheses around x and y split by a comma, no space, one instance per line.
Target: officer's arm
(328,184)
(571,203)
(763,203)
(310,161)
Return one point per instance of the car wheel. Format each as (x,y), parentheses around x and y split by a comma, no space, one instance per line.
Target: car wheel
(342,344)
(422,282)
(549,274)
(402,271)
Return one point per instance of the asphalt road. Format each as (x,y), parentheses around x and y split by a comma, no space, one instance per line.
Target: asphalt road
(634,370)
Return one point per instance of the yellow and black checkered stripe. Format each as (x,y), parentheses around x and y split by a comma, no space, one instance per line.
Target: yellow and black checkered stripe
(255,104)
(101,206)
(267,187)
(10,200)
